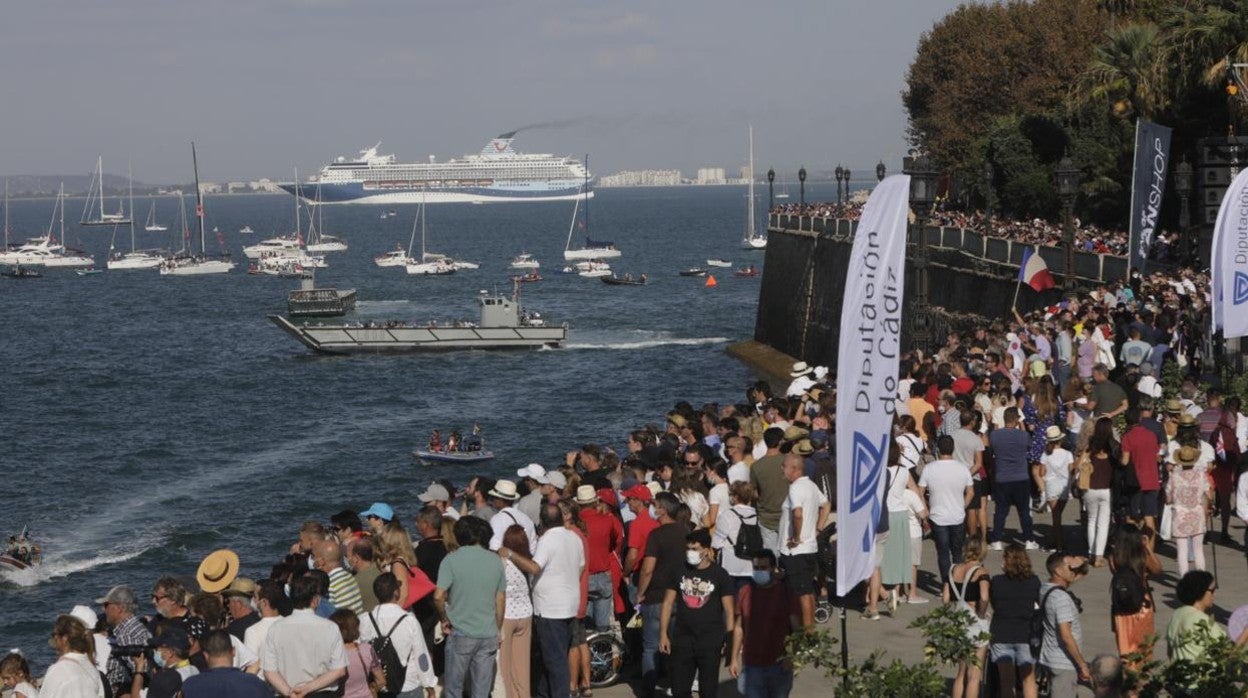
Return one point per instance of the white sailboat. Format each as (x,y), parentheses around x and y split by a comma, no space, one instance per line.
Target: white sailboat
(135,258)
(318,241)
(196,265)
(753,240)
(524,260)
(592,249)
(151,226)
(57,255)
(93,212)
(436,265)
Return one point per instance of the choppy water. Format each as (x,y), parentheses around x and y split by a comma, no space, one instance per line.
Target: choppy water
(148,420)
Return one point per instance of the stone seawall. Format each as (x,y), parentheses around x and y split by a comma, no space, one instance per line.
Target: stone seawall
(805,276)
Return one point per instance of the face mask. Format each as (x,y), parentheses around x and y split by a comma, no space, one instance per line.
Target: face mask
(653,513)
(693,557)
(254,606)
(287,588)
(943,409)
(311,563)
(159,659)
(762,577)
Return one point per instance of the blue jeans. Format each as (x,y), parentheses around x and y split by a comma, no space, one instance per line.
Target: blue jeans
(601,600)
(554,636)
(767,681)
(949,541)
(649,646)
(1005,495)
(472,658)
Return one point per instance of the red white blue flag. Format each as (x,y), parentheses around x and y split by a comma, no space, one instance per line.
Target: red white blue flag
(1034,272)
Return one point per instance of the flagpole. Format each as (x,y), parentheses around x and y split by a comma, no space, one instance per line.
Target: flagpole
(1018,285)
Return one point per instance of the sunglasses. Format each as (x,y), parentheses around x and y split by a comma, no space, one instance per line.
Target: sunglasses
(159,597)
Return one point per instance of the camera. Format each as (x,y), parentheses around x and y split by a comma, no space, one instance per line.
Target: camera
(131,650)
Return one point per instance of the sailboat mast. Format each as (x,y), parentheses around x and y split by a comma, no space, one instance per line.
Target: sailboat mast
(6,213)
(298,230)
(423,218)
(751,176)
(61,200)
(199,200)
(130,176)
(587,199)
(572,226)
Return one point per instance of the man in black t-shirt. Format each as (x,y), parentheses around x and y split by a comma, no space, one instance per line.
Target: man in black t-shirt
(698,610)
(661,565)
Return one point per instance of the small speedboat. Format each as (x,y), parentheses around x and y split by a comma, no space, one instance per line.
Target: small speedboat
(525,261)
(626,280)
(461,457)
(527,278)
(594,273)
(20,272)
(722,263)
(246,230)
(747,272)
(693,271)
(88,272)
(20,553)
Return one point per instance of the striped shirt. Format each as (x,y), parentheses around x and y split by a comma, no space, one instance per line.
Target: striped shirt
(344,591)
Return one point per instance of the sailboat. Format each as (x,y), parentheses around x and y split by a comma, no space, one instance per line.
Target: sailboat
(287,246)
(151,226)
(187,265)
(318,241)
(93,212)
(784,190)
(426,265)
(601,249)
(46,251)
(753,240)
(134,259)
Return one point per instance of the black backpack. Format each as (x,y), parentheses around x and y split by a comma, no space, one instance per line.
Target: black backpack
(395,670)
(749,540)
(1038,623)
(1126,592)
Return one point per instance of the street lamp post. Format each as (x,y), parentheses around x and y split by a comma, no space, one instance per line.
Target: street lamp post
(923,175)
(801,177)
(1183,185)
(771,189)
(840,177)
(880,171)
(847,185)
(1067,176)
(988,173)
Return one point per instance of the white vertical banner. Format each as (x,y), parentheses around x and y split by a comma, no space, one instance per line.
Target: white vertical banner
(1229,261)
(870,340)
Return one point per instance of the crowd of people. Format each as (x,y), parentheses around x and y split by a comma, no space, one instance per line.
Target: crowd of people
(1088,237)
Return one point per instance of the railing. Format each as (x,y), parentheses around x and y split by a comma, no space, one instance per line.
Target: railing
(1099,268)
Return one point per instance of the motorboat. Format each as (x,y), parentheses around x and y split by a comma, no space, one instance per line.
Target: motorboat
(722,263)
(20,553)
(46,251)
(748,271)
(594,273)
(439,267)
(285,243)
(394,258)
(626,280)
(693,271)
(89,271)
(245,230)
(527,278)
(453,457)
(464,452)
(285,267)
(525,261)
(20,272)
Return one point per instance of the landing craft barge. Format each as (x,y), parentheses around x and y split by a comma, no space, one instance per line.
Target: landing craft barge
(498,173)
(504,325)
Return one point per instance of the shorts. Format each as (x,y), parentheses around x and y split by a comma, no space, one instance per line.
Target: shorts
(799,573)
(1017,652)
(579,636)
(977,499)
(1056,490)
(1144,503)
(916,550)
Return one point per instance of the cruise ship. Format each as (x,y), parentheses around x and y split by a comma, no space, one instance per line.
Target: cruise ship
(497,173)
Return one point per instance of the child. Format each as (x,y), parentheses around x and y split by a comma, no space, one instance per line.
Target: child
(1054,470)
(918,517)
(15,673)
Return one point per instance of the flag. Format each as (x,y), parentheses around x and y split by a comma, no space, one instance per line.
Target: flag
(1148,185)
(1034,272)
(1229,270)
(867,360)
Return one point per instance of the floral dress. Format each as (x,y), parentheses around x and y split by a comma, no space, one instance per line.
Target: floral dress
(1187,490)
(1031,417)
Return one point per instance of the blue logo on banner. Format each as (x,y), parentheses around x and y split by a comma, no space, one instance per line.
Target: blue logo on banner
(1241,288)
(865,478)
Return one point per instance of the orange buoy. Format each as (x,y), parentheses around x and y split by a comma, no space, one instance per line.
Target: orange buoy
(711,282)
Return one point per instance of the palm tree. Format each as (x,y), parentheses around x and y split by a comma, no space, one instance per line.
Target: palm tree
(1206,39)
(1127,69)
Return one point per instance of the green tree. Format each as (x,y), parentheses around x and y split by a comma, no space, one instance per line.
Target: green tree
(1127,72)
(1205,38)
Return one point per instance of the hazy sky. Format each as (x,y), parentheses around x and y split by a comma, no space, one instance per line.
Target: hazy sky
(266,85)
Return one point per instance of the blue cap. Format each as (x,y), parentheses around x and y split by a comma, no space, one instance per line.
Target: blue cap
(379,509)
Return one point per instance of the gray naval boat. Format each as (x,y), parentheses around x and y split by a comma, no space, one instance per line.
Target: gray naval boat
(504,324)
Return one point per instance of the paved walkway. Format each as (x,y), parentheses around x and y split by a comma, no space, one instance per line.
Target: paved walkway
(894,637)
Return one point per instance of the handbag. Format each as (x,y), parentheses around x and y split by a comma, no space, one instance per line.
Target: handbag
(1083,474)
(976,627)
(1166,527)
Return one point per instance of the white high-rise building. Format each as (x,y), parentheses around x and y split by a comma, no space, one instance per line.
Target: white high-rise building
(711,175)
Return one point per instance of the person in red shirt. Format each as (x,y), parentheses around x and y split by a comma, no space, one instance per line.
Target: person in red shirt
(638,498)
(605,540)
(758,637)
(1140,450)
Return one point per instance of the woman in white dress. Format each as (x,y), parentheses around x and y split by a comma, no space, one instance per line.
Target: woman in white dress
(74,674)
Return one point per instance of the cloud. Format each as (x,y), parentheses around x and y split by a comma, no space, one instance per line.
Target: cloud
(596,24)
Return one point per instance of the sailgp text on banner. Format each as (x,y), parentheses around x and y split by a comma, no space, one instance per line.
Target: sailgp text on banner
(867,359)
(1229,271)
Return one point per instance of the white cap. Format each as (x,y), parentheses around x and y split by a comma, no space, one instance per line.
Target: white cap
(533,471)
(555,479)
(86,615)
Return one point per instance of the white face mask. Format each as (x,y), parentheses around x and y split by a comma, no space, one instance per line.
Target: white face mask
(693,557)
(654,514)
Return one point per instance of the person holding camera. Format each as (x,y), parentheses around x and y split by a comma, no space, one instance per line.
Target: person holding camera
(126,630)
(171,651)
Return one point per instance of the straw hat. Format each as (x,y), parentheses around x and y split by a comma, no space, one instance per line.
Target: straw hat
(585,495)
(804,448)
(1187,456)
(217,570)
(504,489)
(800,369)
(241,586)
(1173,406)
(1053,433)
(1187,420)
(795,433)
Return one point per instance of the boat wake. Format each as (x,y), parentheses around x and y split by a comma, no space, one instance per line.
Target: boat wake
(648,343)
(371,303)
(66,563)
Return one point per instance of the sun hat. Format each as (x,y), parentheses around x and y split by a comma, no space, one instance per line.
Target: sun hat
(434,493)
(586,495)
(1039,369)
(120,594)
(1187,420)
(638,491)
(533,471)
(677,420)
(217,570)
(821,372)
(795,433)
(804,448)
(241,586)
(607,496)
(555,479)
(381,510)
(86,615)
(1053,433)
(504,489)
(800,369)
(1188,455)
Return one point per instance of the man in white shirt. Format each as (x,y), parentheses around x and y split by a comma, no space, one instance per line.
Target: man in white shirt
(801,380)
(404,631)
(803,514)
(303,653)
(739,470)
(950,490)
(268,597)
(556,568)
(503,497)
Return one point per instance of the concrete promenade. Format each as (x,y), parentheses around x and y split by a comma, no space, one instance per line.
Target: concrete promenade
(894,637)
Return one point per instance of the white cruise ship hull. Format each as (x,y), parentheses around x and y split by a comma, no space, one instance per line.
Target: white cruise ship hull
(414,196)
